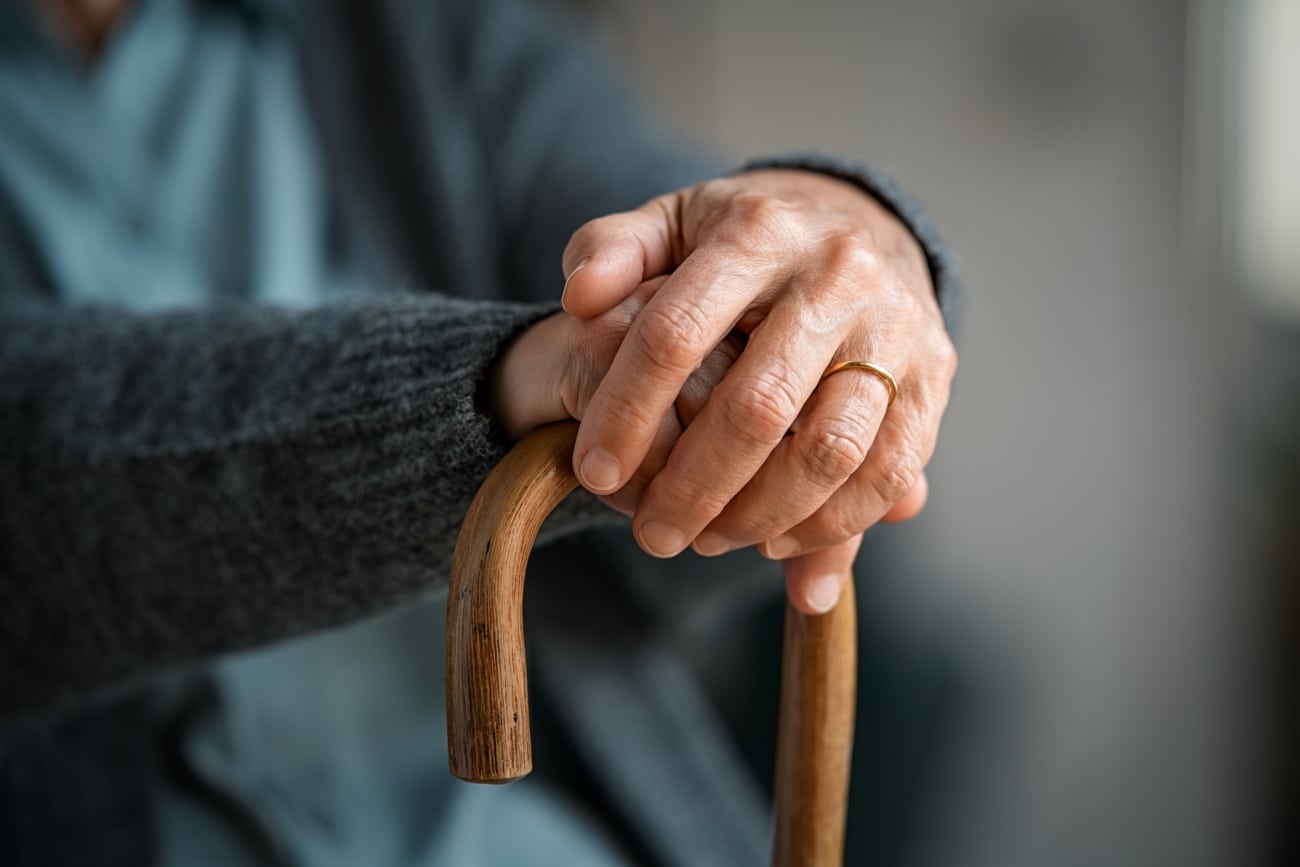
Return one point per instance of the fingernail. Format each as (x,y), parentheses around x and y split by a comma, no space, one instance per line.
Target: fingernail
(661,539)
(711,543)
(576,268)
(600,472)
(823,592)
(782,548)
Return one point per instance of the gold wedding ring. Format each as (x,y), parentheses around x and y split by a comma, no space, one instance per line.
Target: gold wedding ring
(875,369)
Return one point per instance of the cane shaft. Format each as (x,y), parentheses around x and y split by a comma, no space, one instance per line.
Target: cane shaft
(815,735)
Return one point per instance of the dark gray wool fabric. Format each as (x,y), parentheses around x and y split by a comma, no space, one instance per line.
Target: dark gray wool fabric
(175,486)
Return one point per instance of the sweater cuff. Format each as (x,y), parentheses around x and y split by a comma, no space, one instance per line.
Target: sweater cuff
(404,422)
(408,435)
(878,185)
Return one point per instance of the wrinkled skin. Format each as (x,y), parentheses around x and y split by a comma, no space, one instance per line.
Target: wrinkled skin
(745,289)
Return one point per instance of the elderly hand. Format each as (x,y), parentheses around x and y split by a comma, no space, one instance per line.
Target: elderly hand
(550,372)
(813,272)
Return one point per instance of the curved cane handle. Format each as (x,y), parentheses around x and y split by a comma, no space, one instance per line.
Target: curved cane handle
(488,737)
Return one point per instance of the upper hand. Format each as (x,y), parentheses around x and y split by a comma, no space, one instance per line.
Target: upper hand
(814,272)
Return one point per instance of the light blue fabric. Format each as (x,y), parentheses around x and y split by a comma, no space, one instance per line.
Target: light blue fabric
(338,742)
(177,170)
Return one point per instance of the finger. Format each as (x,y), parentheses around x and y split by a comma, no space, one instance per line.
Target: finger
(673,334)
(626,498)
(892,471)
(827,445)
(815,581)
(595,344)
(911,505)
(740,426)
(609,257)
(692,398)
(695,394)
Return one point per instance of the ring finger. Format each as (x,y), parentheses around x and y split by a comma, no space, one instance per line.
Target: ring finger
(893,469)
(826,446)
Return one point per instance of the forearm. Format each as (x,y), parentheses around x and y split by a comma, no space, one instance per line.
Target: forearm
(175,486)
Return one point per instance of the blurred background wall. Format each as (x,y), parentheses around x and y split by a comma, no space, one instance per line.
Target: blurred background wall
(1091,555)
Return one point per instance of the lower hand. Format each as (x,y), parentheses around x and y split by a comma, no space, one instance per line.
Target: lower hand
(551,371)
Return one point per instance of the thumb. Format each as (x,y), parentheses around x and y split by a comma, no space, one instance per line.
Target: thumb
(609,257)
(816,579)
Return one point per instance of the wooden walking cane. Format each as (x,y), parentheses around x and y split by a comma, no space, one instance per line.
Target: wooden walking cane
(488,736)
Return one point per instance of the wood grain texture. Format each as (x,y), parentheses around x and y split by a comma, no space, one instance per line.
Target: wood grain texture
(488,734)
(815,735)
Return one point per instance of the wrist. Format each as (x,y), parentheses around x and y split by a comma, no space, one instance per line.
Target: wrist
(522,387)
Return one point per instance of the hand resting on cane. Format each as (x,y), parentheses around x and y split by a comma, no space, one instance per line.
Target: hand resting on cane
(814,272)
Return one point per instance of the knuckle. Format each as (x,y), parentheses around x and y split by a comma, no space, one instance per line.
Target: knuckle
(830,526)
(947,354)
(760,409)
(672,337)
(758,221)
(751,524)
(758,208)
(857,259)
(854,254)
(622,416)
(691,500)
(832,450)
(896,474)
(856,270)
(846,525)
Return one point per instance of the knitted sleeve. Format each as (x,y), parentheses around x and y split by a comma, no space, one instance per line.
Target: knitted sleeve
(177,485)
